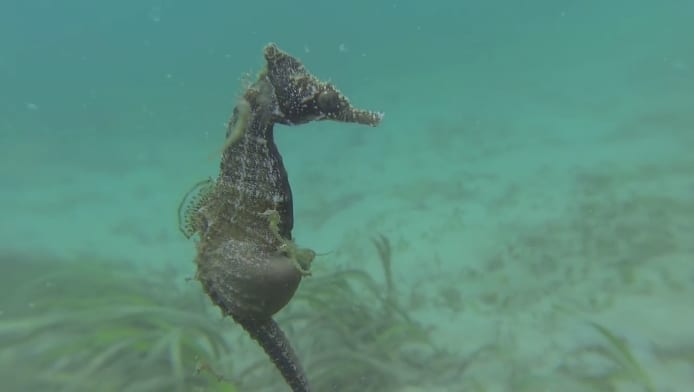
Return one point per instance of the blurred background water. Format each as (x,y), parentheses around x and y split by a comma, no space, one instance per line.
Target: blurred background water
(532,183)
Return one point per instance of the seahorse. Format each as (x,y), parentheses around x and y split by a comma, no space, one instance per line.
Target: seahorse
(247,260)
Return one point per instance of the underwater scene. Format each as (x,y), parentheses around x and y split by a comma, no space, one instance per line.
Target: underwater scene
(364,196)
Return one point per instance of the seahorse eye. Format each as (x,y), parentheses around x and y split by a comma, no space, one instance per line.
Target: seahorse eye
(329,102)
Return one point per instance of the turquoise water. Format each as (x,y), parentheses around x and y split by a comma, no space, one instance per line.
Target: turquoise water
(533,177)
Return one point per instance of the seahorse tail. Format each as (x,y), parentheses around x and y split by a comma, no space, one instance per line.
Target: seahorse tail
(276,345)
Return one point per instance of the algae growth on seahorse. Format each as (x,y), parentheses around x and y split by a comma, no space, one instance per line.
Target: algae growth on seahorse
(247,260)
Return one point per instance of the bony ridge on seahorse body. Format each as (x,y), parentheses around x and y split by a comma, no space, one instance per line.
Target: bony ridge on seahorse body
(247,260)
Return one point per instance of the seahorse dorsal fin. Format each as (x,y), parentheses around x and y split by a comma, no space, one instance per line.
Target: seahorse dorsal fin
(189,217)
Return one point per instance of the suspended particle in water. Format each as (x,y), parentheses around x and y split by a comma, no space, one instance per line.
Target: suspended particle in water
(154,13)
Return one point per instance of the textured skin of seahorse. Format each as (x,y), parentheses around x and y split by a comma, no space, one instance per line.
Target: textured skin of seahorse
(276,345)
(246,258)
